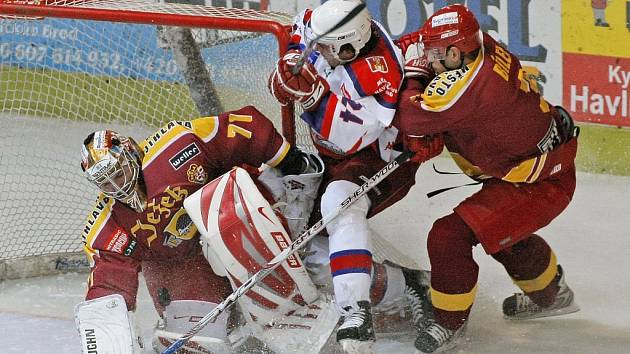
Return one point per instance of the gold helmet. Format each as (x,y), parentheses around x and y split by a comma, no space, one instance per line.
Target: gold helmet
(112,162)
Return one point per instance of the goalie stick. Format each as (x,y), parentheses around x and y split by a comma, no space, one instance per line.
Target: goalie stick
(311,45)
(297,244)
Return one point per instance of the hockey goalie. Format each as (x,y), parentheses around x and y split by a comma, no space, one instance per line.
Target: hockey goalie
(139,224)
(240,232)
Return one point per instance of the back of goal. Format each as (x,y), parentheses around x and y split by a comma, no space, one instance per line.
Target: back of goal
(69,67)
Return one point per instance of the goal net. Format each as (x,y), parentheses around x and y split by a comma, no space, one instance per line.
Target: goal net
(70,67)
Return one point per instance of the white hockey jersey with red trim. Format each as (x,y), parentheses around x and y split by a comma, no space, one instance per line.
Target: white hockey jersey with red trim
(363,95)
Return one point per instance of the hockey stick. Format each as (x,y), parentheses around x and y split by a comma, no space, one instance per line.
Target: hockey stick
(298,243)
(311,45)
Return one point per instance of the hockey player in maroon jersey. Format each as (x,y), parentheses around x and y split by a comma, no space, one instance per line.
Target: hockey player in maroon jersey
(139,223)
(502,133)
(348,88)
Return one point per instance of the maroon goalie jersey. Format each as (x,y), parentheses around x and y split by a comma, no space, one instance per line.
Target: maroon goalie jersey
(496,124)
(178,160)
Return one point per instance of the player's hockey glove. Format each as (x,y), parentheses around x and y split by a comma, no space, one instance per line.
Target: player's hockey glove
(416,64)
(425,147)
(306,87)
(274,88)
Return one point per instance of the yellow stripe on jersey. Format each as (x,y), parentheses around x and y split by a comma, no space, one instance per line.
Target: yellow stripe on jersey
(445,89)
(543,280)
(205,128)
(527,171)
(90,280)
(467,167)
(90,253)
(97,218)
(453,302)
(279,156)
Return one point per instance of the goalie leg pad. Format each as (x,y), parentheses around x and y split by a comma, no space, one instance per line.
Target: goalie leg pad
(105,326)
(180,316)
(239,225)
(349,241)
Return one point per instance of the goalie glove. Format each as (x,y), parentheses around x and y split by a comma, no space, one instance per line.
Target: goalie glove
(306,87)
(425,147)
(416,64)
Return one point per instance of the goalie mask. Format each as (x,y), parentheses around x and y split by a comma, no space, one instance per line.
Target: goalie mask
(113,162)
(355,33)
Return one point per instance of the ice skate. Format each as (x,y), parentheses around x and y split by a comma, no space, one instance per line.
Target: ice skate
(356,332)
(435,339)
(417,285)
(520,307)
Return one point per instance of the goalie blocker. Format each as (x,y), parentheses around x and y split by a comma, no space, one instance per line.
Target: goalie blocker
(105,326)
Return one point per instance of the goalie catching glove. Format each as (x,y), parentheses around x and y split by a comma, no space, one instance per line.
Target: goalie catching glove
(416,64)
(424,147)
(306,87)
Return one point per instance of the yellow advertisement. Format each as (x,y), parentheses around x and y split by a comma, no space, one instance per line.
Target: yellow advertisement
(598,27)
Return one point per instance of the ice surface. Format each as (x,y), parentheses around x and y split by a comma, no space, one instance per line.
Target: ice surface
(591,240)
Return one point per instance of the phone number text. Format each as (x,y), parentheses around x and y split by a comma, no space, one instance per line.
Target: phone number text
(95,59)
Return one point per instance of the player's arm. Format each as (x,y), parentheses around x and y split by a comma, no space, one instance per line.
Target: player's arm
(103,317)
(109,249)
(112,273)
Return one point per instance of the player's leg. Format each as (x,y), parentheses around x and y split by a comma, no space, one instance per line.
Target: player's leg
(453,283)
(351,264)
(242,239)
(414,283)
(349,240)
(493,217)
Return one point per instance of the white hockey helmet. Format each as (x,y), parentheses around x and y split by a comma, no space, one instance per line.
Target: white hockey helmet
(112,162)
(355,32)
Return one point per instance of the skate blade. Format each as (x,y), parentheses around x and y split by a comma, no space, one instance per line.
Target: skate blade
(563,311)
(356,347)
(447,347)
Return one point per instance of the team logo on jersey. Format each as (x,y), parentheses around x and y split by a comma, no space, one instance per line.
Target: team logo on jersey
(377,64)
(180,228)
(184,156)
(196,174)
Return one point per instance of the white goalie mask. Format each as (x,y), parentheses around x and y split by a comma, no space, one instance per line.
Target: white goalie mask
(356,32)
(112,163)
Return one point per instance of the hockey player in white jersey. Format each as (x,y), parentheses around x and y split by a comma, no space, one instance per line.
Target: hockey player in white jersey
(348,88)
